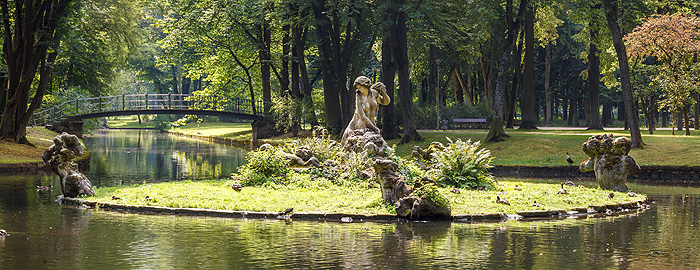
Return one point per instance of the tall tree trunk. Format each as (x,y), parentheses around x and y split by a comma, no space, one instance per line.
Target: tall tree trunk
(594,122)
(456,85)
(29,30)
(528,104)
(486,72)
(333,79)
(468,90)
(512,34)
(547,92)
(611,15)
(686,119)
(265,60)
(286,50)
(516,84)
(388,72)
(307,86)
(400,53)
(697,111)
(432,73)
(607,115)
(573,111)
(295,90)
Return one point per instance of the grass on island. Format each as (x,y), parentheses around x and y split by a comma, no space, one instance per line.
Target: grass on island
(19,153)
(322,196)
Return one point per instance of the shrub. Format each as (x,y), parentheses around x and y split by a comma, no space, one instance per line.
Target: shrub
(354,162)
(430,191)
(407,169)
(321,148)
(264,165)
(462,165)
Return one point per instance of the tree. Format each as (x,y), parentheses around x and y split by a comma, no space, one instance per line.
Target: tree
(546,24)
(672,39)
(528,103)
(612,15)
(30,47)
(398,49)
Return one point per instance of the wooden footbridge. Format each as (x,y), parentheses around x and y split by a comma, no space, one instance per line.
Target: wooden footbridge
(68,116)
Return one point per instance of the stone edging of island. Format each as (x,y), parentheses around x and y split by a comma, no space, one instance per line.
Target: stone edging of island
(592,210)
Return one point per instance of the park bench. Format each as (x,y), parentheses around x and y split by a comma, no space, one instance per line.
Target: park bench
(469,122)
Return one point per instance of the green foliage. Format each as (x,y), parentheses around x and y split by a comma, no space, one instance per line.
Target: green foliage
(263,166)
(322,149)
(354,162)
(286,111)
(461,164)
(163,122)
(407,169)
(431,191)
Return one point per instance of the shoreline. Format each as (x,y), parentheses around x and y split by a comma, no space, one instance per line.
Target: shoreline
(594,211)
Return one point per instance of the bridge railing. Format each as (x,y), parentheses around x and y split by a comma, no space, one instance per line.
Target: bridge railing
(146,102)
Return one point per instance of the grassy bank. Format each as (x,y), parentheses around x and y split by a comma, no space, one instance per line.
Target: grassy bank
(236,131)
(549,148)
(327,197)
(20,153)
(129,122)
(530,148)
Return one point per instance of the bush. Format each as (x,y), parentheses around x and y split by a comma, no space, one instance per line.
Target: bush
(264,166)
(407,169)
(321,148)
(462,165)
(430,191)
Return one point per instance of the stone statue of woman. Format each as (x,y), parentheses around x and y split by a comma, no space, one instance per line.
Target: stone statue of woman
(367,101)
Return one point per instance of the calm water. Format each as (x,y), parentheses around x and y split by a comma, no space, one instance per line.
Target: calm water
(44,235)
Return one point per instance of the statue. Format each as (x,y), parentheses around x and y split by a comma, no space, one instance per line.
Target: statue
(367,101)
(609,160)
(362,134)
(59,157)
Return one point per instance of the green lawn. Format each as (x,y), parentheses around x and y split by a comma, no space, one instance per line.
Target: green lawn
(216,129)
(322,196)
(531,147)
(548,148)
(129,122)
(19,153)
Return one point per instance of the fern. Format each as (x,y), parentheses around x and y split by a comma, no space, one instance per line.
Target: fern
(462,164)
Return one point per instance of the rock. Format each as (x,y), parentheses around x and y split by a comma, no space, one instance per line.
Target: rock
(60,157)
(393,188)
(421,208)
(366,139)
(609,160)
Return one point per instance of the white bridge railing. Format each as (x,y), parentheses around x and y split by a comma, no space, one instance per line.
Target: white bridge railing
(146,103)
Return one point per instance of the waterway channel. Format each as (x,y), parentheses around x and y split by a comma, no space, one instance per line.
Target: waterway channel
(45,235)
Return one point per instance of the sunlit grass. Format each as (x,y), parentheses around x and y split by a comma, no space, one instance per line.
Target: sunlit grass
(18,153)
(218,129)
(322,196)
(129,122)
(549,148)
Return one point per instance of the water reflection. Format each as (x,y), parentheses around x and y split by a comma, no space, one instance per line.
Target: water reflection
(122,157)
(44,235)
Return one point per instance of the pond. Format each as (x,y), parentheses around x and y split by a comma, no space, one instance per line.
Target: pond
(45,235)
